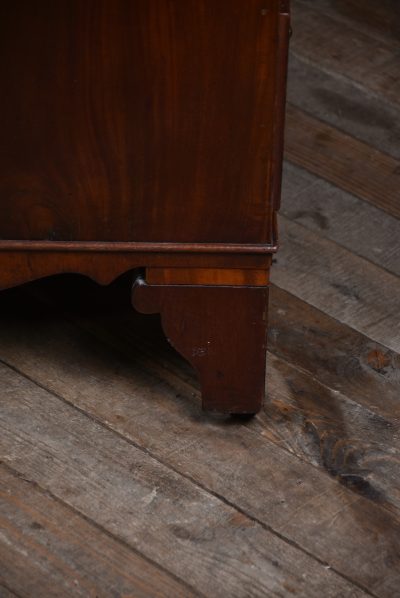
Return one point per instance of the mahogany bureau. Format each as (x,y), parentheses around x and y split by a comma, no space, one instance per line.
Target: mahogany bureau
(147,134)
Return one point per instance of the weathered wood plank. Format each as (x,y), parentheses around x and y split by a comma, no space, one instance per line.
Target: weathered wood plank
(334,391)
(344,161)
(6,592)
(341,217)
(47,549)
(344,105)
(339,283)
(300,502)
(353,444)
(346,364)
(336,355)
(135,497)
(379,19)
(331,44)
(303,416)
(330,351)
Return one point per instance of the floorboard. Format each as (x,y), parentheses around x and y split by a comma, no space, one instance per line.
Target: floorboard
(380,20)
(342,160)
(328,43)
(334,354)
(344,105)
(48,549)
(113,483)
(342,217)
(190,444)
(135,497)
(340,283)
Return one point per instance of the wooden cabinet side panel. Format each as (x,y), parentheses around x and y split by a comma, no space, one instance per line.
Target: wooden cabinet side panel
(145,120)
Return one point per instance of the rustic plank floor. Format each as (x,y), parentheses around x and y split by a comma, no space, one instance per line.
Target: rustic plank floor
(112,481)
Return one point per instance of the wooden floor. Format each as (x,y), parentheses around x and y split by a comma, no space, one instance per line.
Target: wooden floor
(114,484)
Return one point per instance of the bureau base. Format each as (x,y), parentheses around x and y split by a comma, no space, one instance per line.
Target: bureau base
(212,301)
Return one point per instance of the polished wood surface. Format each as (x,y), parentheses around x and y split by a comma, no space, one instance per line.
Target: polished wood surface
(114,483)
(18,267)
(201,322)
(208,276)
(148,135)
(140,121)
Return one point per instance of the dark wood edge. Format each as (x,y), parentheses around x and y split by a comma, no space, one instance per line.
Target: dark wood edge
(136,247)
(284,6)
(19,266)
(280,104)
(198,322)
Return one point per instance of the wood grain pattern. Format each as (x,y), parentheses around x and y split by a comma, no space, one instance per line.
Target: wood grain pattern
(379,20)
(344,218)
(133,129)
(324,382)
(358,447)
(299,501)
(338,282)
(349,107)
(198,321)
(104,266)
(136,247)
(155,123)
(344,161)
(207,276)
(170,519)
(48,549)
(302,499)
(331,44)
(335,354)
